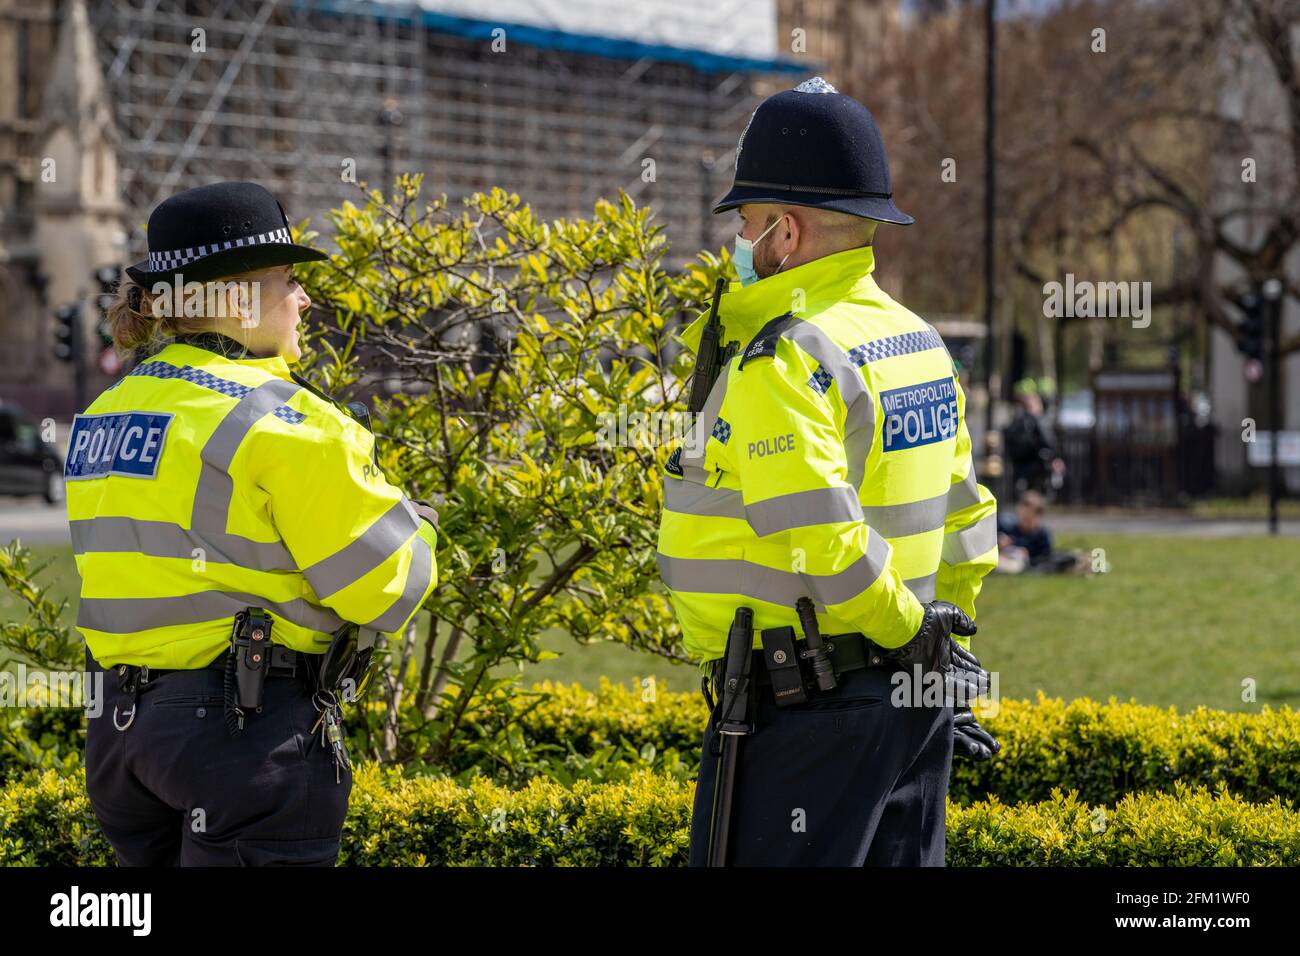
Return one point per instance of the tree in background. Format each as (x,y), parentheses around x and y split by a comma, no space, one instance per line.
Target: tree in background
(500,349)
(1123,135)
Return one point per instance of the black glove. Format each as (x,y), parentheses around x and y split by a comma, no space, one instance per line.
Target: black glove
(969,739)
(969,678)
(933,648)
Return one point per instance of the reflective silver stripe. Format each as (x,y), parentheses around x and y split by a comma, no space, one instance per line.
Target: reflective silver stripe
(215,488)
(417,581)
(162,539)
(860,420)
(971,541)
(692,460)
(964,493)
(129,615)
(916,517)
(376,545)
(691,498)
(923,588)
(722,576)
(800,509)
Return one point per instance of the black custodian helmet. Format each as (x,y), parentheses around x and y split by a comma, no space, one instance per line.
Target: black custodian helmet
(813,146)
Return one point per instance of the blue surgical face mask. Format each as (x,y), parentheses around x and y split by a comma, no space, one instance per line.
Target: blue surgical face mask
(743,257)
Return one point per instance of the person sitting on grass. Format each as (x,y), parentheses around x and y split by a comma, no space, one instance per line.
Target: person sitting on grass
(1025,543)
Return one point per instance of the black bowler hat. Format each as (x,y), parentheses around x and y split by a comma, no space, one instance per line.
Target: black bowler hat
(812,146)
(219,230)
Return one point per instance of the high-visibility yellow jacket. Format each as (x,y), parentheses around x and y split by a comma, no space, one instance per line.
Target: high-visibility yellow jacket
(200,484)
(831,460)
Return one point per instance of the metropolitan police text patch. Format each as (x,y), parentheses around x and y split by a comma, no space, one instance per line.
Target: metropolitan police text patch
(119,443)
(919,414)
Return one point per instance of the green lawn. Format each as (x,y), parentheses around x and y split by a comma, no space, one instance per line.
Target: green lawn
(1176,621)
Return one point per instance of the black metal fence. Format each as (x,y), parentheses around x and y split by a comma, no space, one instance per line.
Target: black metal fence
(1101,470)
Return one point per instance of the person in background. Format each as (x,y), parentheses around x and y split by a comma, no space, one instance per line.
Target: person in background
(1025,543)
(1031,446)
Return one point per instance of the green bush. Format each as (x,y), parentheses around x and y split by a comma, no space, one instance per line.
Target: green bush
(1186,828)
(1108,750)
(398,821)
(508,346)
(1102,750)
(46,820)
(41,738)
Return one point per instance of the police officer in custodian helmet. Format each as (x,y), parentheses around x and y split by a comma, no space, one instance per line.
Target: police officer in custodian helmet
(239,551)
(823,536)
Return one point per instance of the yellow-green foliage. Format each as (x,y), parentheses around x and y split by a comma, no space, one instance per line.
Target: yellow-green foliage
(1186,828)
(424,821)
(592,719)
(1103,750)
(46,820)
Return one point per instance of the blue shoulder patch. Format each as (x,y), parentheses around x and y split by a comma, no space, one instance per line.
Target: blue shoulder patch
(129,444)
(919,414)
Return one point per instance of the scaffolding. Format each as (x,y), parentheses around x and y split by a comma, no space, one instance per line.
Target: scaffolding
(294,93)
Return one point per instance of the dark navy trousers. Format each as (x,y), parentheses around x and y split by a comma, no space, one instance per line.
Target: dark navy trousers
(175,788)
(847,779)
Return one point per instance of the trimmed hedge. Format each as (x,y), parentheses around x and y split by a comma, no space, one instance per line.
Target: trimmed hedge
(1190,827)
(397,821)
(45,820)
(1102,750)
(1106,751)
(41,738)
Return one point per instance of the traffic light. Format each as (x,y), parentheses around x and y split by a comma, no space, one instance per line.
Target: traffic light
(1252,328)
(67,332)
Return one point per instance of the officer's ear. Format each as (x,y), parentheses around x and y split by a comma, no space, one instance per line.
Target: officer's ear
(789,229)
(788,232)
(235,304)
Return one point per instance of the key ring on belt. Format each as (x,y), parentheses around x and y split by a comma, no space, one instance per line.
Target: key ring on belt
(129,680)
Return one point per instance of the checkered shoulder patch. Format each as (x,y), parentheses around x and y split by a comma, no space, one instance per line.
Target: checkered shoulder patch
(204,379)
(721,430)
(895,345)
(821,380)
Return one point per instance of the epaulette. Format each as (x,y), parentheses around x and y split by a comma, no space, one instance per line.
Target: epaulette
(764,343)
(674,465)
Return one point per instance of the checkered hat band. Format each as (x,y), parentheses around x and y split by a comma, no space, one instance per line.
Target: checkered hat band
(166,261)
(198,376)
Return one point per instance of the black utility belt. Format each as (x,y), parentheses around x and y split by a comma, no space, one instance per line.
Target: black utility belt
(783,663)
(285,662)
